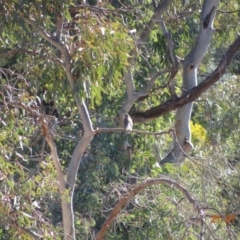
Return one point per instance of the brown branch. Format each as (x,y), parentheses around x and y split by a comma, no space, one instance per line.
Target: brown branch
(133,192)
(60,174)
(193,93)
(48,136)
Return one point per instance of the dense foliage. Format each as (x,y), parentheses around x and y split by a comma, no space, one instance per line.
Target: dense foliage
(101,39)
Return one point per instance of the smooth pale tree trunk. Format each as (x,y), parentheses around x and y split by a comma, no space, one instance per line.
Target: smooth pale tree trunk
(182,138)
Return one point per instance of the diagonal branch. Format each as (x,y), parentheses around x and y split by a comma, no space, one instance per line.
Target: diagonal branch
(133,192)
(193,93)
(47,133)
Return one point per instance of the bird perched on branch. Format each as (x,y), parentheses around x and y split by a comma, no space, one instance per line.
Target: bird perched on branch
(128,123)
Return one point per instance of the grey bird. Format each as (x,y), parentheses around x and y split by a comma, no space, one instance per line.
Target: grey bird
(128,123)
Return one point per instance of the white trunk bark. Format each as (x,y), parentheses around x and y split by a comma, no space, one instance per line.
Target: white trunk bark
(182,142)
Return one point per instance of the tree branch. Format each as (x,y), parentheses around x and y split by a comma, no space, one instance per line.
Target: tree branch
(47,133)
(128,78)
(67,207)
(133,192)
(193,93)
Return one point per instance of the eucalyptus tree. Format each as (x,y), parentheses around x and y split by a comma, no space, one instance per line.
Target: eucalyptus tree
(53,49)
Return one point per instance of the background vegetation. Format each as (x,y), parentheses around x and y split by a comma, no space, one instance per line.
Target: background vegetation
(195,200)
